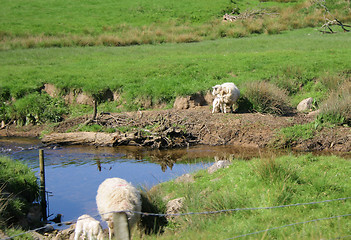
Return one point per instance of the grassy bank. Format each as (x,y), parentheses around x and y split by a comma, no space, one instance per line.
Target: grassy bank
(263,183)
(18,190)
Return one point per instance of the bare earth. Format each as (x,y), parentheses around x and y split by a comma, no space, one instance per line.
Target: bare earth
(180,128)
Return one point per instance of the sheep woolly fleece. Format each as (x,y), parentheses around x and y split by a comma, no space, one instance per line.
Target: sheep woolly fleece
(226,95)
(116,194)
(89,227)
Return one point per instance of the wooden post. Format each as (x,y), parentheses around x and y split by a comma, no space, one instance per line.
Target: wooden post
(42,184)
(121,226)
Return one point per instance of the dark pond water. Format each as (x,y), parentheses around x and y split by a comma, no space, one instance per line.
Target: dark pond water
(73,173)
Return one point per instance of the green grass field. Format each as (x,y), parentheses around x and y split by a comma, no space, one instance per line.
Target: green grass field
(168,70)
(175,48)
(264,183)
(179,48)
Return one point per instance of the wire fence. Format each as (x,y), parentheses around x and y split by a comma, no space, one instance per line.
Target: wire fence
(213,212)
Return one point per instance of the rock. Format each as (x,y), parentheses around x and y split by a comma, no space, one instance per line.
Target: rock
(192,101)
(314,113)
(51,90)
(185,178)
(181,103)
(48,228)
(37,236)
(83,98)
(305,105)
(174,206)
(209,98)
(218,165)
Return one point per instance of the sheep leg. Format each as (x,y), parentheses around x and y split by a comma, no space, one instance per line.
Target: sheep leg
(224,106)
(77,234)
(110,233)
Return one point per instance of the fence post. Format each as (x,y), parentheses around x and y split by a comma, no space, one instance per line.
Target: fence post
(42,184)
(121,226)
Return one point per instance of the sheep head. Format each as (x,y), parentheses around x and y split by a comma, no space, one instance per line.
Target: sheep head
(216,90)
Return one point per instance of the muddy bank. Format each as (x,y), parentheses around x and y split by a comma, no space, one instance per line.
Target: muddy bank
(186,127)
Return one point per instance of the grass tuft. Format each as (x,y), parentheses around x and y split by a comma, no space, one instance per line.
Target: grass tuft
(267,98)
(337,108)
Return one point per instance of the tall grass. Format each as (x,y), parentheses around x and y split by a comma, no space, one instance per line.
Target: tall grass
(126,23)
(19,190)
(337,108)
(263,183)
(267,98)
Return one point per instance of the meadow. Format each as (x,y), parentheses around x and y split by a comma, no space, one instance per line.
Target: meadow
(158,50)
(171,49)
(260,183)
(169,70)
(61,23)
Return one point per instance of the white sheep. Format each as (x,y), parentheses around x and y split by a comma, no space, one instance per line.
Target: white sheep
(218,104)
(116,194)
(229,93)
(90,228)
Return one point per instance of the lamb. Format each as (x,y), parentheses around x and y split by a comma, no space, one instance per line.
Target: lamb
(89,227)
(229,93)
(218,104)
(116,194)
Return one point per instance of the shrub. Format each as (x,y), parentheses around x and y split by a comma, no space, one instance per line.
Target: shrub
(267,98)
(38,108)
(337,108)
(19,189)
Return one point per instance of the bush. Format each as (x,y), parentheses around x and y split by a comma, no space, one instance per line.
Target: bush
(37,108)
(337,108)
(19,188)
(267,98)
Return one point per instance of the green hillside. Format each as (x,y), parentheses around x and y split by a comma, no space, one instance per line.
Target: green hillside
(41,42)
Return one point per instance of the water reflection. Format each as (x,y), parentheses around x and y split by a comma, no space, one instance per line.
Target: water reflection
(73,173)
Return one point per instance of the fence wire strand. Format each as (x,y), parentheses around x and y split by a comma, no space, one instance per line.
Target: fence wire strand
(289,225)
(238,209)
(205,213)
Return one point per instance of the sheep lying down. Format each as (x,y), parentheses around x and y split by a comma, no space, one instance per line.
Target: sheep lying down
(116,194)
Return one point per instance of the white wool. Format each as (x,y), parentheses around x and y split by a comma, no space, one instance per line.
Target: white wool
(89,227)
(229,94)
(116,194)
(217,104)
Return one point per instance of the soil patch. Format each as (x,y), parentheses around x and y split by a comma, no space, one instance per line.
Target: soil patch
(184,127)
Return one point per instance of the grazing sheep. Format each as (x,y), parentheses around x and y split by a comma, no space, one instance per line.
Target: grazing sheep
(229,93)
(116,194)
(89,227)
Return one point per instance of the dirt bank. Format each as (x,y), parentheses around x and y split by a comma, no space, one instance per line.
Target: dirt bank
(180,128)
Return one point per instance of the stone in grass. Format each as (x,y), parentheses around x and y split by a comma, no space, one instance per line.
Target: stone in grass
(305,105)
(218,165)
